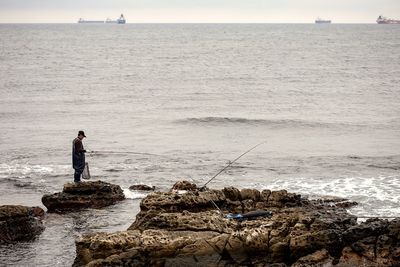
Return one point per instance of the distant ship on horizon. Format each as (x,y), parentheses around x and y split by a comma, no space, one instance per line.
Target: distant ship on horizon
(120,20)
(322,21)
(383,20)
(81,20)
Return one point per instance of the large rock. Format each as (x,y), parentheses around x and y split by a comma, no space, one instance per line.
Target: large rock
(75,196)
(20,223)
(187,229)
(373,243)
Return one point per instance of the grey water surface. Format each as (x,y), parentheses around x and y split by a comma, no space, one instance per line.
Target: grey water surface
(165,102)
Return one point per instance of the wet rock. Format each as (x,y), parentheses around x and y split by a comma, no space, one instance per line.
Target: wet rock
(384,248)
(75,196)
(374,243)
(142,187)
(186,229)
(372,227)
(338,202)
(20,223)
(346,204)
(394,229)
(282,198)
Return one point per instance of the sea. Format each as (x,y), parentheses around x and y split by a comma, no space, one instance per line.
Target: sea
(160,103)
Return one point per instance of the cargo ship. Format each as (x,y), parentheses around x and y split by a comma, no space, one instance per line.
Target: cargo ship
(322,21)
(383,20)
(120,20)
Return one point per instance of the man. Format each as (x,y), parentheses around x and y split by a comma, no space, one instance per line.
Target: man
(78,156)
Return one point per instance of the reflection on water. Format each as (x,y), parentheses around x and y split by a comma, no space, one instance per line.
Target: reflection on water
(161,103)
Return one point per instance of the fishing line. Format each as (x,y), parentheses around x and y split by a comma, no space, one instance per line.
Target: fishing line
(230,163)
(216,206)
(121,152)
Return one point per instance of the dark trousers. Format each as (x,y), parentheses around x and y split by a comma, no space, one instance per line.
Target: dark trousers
(77,175)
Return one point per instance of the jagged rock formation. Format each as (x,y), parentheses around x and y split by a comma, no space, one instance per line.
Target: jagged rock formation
(75,196)
(186,230)
(20,223)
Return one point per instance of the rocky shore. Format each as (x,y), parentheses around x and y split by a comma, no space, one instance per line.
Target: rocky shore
(185,228)
(20,223)
(75,196)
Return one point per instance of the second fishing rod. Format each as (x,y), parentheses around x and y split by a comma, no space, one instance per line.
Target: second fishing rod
(229,164)
(203,188)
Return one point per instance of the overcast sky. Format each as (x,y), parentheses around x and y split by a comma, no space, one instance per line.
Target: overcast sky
(139,11)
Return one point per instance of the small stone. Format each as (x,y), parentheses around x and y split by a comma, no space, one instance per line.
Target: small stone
(142,187)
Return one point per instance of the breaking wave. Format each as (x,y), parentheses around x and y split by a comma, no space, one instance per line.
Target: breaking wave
(376,195)
(133,195)
(283,123)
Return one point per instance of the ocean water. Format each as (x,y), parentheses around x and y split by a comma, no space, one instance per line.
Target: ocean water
(166,102)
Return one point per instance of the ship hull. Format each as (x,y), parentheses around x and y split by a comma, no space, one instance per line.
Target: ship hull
(121,20)
(383,20)
(115,21)
(323,22)
(389,22)
(91,21)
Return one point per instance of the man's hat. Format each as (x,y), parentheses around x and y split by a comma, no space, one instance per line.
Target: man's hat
(82,133)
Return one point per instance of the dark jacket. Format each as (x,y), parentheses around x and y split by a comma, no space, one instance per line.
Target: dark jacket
(78,154)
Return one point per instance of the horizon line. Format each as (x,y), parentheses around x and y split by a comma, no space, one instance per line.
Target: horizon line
(190,23)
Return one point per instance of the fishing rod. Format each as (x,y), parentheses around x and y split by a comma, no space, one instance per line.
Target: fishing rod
(229,164)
